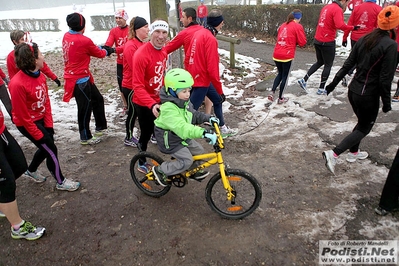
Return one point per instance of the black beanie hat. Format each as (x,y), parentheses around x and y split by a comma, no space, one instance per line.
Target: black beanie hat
(76,21)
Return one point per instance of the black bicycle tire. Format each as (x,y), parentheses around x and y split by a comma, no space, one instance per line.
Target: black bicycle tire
(136,180)
(255,184)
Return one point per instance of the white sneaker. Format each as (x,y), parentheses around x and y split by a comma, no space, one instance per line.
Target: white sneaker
(68,185)
(361,155)
(331,161)
(92,141)
(227,132)
(35,176)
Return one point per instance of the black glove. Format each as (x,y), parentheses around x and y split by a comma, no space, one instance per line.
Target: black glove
(386,109)
(356,27)
(330,87)
(344,43)
(58,82)
(222,98)
(45,139)
(50,130)
(109,50)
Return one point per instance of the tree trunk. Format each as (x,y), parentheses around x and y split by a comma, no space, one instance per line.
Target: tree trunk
(158,10)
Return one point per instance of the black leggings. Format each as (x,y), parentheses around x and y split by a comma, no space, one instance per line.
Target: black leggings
(131,114)
(89,99)
(46,151)
(146,122)
(325,54)
(283,72)
(366,109)
(390,193)
(12,166)
(119,75)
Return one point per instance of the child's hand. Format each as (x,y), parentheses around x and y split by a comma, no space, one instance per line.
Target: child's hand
(213,119)
(211,136)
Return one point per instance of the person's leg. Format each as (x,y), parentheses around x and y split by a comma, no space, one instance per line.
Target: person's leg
(119,77)
(208,106)
(366,110)
(197,96)
(390,193)
(328,54)
(217,105)
(279,76)
(317,65)
(129,124)
(97,102)
(396,95)
(285,71)
(82,96)
(183,160)
(146,122)
(5,99)
(46,149)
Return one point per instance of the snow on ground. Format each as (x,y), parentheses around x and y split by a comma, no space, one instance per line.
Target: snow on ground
(65,113)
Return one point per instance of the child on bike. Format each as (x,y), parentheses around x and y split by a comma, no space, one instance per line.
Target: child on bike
(176,127)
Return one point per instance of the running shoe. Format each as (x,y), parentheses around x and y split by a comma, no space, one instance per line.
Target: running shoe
(2,215)
(282,100)
(27,231)
(144,168)
(271,97)
(227,132)
(321,92)
(395,99)
(68,185)
(153,139)
(131,142)
(360,155)
(331,161)
(160,177)
(101,132)
(91,141)
(302,83)
(35,176)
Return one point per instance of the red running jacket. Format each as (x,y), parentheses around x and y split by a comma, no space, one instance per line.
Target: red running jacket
(288,37)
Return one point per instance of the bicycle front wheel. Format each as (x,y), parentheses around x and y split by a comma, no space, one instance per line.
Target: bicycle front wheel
(143,181)
(247,191)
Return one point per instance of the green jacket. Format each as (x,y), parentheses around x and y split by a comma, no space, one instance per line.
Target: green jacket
(177,123)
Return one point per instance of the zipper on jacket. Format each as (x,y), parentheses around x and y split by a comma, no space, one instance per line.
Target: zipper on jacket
(165,139)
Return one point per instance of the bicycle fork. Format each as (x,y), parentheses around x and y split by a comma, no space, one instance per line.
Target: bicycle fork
(230,193)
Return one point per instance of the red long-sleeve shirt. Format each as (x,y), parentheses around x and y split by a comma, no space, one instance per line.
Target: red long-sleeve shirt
(30,102)
(202,11)
(203,60)
(118,37)
(149,66)
(331,19)
(364,15)
(131,46)
(77,50)
(2,125)
(2,76)
(183,39)
(13,69)
(288,37)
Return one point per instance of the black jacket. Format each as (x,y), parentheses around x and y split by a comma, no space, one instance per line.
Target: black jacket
(374,70)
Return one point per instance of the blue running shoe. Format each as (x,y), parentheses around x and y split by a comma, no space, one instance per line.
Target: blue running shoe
(302,83)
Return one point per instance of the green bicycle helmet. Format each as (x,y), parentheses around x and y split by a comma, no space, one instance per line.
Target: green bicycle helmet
(177,79)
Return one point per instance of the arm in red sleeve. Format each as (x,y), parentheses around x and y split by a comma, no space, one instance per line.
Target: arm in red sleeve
(111,39)
(48,116)
(175,43)
(213,64)
(94,50)
(47,71)
(301,36)
(340,23)
(140,92)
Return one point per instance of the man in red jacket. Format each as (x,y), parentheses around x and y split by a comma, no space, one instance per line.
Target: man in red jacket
(202,11)
(331,19)
(203,65)
(183,38)
(149,64)
(117,37)
(79,83)
(17,37)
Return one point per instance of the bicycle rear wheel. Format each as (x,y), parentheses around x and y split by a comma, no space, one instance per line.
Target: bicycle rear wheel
(147,184)
(247,190)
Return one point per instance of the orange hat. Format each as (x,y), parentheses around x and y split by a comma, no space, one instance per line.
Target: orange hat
(388,18)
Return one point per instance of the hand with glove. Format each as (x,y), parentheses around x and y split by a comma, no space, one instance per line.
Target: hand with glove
(222,98)
(356,27)
(344,43)
(386,109)
(213,120)
(58,82)
(209,135)
(330,87)
(109,50)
